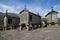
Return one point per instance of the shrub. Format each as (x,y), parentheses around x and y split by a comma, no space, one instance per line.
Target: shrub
(9,27)
(45,23)
(1,24)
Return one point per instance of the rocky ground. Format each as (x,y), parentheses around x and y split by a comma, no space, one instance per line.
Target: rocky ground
(49,33)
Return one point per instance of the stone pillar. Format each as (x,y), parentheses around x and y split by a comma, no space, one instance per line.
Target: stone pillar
(27,26)
(39,26)
(20,27)
(5,23)
(35,25)
(30,27)
(4,28)
(49,24)
(56,24)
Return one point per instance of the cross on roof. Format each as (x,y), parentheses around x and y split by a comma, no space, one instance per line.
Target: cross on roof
(6,12)
(25,7)
(52,8)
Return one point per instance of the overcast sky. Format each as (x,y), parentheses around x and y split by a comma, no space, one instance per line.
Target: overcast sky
(35,6)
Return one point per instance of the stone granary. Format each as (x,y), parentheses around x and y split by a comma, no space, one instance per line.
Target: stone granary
(28,18)
(52,17)
(11,19)
(24,19)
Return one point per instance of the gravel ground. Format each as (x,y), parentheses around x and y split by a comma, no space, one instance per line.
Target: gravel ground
(49,33)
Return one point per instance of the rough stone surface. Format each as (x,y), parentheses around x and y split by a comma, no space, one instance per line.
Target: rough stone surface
(49,33)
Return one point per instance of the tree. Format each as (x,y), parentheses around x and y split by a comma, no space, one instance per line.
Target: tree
(1,24)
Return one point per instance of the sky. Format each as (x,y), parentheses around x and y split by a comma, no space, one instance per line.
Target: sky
(36,6)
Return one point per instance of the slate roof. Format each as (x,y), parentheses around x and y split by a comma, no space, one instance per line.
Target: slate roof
(13,15)
(34,14)
(17,15)
(51,13)
(10,15)
(30,13)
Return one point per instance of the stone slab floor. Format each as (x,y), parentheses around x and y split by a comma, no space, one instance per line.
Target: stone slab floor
(49,33)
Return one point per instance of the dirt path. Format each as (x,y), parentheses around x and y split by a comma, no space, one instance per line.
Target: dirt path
(49,33)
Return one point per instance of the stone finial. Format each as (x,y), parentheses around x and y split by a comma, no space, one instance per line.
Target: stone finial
(6,12)
(52,8)
(25,7)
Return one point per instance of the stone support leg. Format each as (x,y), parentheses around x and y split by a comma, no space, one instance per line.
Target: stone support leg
(49,24)
(20,28)
(35,25)
(27,27)
(5,28)
(56,24)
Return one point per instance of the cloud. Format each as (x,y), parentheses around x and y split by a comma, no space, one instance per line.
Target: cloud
(33,8)
(48,2)
(9,8)
(57,8)
(16,9)
(36,9)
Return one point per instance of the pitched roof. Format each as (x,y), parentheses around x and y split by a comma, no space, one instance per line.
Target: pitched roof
(25,9)
(30,12)
(51,13)
(34,14)
(11,15)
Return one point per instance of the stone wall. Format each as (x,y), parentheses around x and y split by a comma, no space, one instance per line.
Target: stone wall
(24,17)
